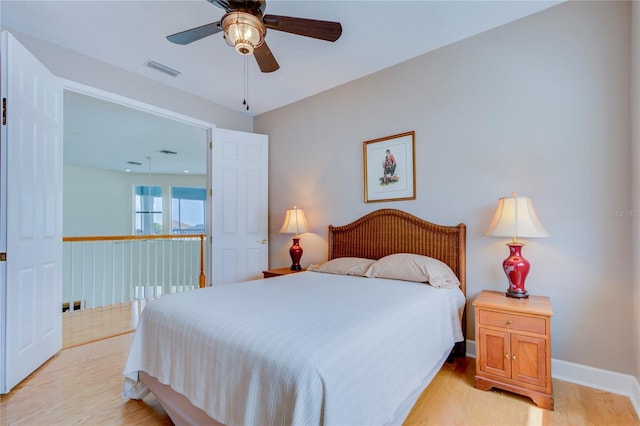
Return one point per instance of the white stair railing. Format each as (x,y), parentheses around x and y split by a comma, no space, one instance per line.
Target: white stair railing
(107,270)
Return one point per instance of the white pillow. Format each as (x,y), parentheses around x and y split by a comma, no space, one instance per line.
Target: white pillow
(344,266)
(414,267)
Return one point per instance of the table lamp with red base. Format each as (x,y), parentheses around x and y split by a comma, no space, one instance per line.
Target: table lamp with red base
(515,217)
(295,223)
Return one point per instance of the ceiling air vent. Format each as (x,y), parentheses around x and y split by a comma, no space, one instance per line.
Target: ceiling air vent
(134,163)
(163,68)
(166,151)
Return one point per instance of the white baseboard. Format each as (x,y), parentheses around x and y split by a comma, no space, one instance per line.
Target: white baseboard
(610,381)
(635,397)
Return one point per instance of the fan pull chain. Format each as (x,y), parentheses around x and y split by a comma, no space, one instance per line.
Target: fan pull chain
(245,73)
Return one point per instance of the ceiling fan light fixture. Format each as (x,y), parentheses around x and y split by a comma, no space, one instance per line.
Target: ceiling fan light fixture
(243,31)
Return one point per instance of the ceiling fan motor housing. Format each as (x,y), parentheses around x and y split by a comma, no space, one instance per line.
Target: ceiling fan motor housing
(243,31)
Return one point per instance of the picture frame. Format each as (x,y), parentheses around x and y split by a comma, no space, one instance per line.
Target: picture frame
(389,168)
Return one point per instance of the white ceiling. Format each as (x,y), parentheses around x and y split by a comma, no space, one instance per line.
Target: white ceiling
(127,34)
(106,135)
(376,35)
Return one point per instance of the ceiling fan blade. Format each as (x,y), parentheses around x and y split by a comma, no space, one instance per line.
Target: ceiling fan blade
(266,61)
(323,30)
(194,34)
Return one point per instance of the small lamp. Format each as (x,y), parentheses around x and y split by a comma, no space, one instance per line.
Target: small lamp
(295,223)
(515,217)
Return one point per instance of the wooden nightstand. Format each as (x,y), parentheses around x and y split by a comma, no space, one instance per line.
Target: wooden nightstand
(278,271)
(513,345)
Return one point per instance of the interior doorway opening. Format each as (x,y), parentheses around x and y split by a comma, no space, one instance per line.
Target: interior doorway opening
(115,147)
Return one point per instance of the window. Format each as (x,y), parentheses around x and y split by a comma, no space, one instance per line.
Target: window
(148,210)
(188,210)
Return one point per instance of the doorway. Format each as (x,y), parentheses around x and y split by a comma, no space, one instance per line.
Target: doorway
(114,146)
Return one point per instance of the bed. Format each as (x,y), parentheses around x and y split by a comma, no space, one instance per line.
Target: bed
(312,347)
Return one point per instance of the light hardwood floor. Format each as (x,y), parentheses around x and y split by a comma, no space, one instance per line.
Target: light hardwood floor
(81,385)
(89,325)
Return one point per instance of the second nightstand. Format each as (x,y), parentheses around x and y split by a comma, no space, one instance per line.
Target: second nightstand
(513,345)
(277,272)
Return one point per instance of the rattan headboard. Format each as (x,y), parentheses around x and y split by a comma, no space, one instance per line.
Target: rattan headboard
(389,231)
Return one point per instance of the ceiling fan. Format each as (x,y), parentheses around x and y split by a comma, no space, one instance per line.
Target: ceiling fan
(245,26)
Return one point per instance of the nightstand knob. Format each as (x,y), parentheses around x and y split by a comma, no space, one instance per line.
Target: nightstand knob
(509,322)
(506,356)
(514,357)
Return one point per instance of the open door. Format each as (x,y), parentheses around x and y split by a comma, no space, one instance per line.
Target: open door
(240,222)
(30,214)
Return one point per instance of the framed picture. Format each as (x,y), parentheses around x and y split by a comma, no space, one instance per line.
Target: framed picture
(390,168)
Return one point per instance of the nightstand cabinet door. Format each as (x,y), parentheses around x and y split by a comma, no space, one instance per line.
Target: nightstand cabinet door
(495,352)
(529,360)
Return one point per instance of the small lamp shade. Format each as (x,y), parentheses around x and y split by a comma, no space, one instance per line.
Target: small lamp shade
(515,217)
(295,223)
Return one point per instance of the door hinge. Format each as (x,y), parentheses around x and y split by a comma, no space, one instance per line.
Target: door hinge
(4,111)
(210,144)
(3,257)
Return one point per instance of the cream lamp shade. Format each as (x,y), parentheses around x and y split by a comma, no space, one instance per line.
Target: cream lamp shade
(295,222)
(515,217)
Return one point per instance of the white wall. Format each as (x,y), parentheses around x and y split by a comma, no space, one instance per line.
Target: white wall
(95,202)
(100,202)
(91,72)
(539,106)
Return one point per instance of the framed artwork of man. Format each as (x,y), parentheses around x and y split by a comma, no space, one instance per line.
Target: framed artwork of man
(389,168)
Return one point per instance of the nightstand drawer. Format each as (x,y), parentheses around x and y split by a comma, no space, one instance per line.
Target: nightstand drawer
(513,322)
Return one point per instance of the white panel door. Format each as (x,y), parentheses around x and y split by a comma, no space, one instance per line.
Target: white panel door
(240,206)
(31,213)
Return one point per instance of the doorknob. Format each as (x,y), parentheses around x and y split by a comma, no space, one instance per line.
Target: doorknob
(264,241)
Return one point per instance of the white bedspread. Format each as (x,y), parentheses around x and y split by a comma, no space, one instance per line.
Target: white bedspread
(305,349)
